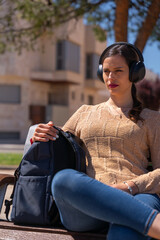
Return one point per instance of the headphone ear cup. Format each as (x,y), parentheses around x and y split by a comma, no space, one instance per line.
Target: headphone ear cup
(100,72)
(137,71)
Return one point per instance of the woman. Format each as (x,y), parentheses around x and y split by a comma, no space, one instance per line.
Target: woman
(118,136)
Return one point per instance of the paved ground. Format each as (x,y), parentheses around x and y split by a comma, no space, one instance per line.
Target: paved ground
(8,170)
(11,148)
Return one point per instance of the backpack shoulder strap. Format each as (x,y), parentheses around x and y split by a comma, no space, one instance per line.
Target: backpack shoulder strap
(5,180)
(8,203)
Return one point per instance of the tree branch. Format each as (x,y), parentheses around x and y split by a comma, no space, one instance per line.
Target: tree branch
(148,25)
(121,20)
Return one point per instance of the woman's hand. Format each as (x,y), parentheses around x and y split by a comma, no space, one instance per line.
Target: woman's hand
(45,132)
(124,187)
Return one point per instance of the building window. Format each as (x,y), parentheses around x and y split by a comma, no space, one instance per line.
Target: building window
(92,61)
(68,56)
(90,100)
(10,93)
(9,135)
(37,113)
(60,55)
(58,98)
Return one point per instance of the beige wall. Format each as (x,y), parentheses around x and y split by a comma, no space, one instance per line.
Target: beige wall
(14,117)
(36,73)
(91,42)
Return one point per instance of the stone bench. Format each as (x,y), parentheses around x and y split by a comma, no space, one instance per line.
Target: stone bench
(15,232)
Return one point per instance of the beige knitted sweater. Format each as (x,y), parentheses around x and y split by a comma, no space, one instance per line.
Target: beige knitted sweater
(117,148)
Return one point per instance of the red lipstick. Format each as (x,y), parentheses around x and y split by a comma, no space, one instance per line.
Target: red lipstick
(112,85)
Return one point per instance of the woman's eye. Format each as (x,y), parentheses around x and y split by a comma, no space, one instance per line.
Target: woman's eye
(106,71)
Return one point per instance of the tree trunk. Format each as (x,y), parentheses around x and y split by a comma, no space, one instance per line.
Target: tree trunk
(121,20)
(148,24)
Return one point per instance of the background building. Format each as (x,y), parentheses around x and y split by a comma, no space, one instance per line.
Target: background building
(38,86)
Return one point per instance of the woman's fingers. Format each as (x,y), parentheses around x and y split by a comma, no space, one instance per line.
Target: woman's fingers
(45,132)
(45,136)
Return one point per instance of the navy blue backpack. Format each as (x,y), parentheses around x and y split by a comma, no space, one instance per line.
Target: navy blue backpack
(31,198)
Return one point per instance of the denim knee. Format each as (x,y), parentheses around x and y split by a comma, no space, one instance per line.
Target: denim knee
(61,181)
(151,200)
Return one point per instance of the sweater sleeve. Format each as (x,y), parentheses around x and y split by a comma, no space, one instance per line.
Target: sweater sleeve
(150,182)
(71,124)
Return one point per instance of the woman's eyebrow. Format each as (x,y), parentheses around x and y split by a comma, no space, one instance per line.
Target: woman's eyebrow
(107,68)
(119,67)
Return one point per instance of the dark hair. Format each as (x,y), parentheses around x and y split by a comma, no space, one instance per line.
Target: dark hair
(130,56)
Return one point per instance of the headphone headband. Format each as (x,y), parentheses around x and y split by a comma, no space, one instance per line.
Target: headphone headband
(122,43)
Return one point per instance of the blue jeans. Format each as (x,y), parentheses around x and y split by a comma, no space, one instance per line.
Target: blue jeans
(86,204)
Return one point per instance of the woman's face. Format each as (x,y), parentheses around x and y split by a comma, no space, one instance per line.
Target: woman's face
(116,75)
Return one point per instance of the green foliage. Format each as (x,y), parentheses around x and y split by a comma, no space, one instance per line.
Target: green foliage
(99,33)
(22,22)
(102,19)
(10,158)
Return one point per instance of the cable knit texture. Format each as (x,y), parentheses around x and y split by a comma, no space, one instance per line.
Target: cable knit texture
(117,148)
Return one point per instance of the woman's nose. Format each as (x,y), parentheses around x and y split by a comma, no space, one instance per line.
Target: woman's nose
(111,75)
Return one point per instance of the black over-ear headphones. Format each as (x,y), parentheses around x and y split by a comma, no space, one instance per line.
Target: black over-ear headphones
(137,69)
